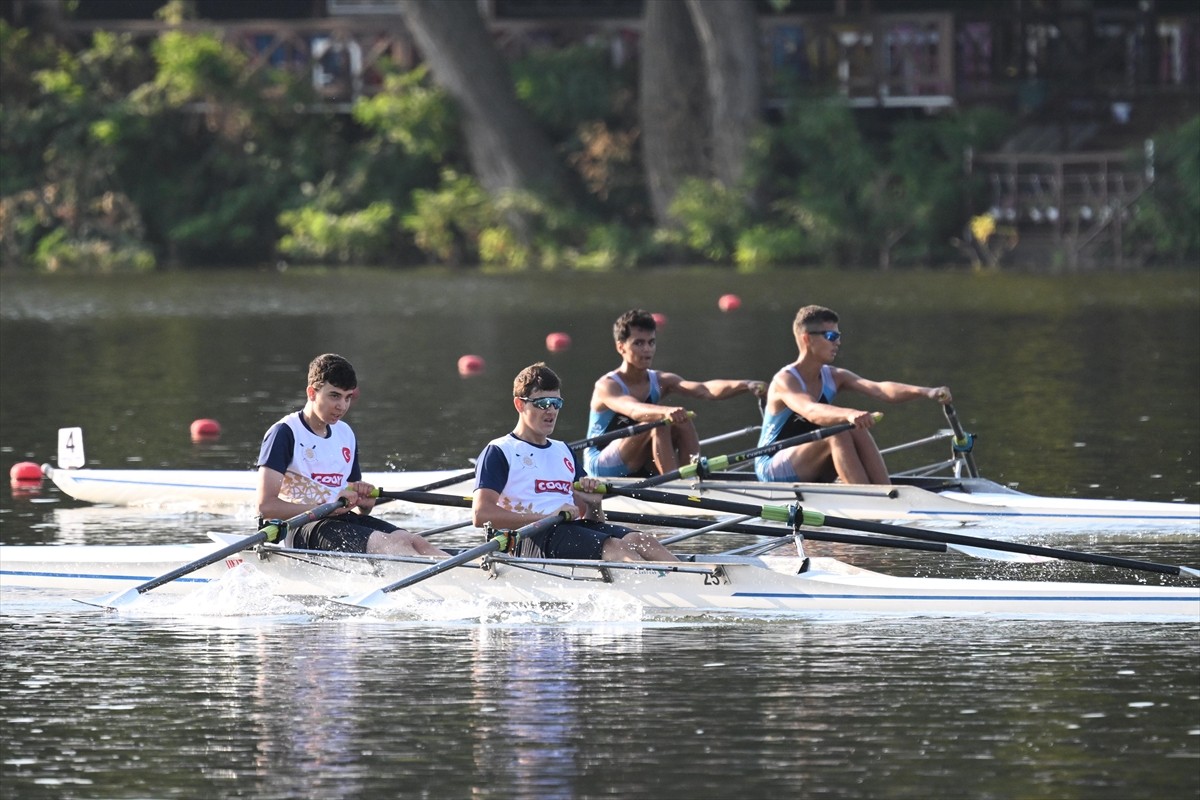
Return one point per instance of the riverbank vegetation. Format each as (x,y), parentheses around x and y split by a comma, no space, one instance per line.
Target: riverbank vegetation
(121,158)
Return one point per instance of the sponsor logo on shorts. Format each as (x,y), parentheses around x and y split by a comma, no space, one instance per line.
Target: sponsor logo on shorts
(552,487)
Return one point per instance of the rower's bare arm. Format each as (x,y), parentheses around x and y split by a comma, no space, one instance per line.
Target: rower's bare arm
(486,510)
(720,389)
(616,400)
(896,392)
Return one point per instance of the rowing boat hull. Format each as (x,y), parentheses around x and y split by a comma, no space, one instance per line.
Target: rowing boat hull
(716,584)
(965,501)
(103,568)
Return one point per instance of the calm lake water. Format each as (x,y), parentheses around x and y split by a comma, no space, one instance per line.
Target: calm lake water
(1075,386)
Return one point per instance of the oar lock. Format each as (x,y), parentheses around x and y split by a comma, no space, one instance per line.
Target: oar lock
(505,537)
(275,529)
(793,516)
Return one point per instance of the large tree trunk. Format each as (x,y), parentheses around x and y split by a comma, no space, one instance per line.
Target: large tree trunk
(728,32)
(673,104)
(507,149)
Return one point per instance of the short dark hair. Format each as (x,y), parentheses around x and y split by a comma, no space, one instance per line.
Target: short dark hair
(634,318)
(812,315)
(332,369)
(535,377)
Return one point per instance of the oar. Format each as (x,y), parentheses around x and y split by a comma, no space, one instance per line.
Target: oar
(445,528)
(720,437)
(735,525)
(428,498)
(793,515)
(622,433)
(379,596)
(703,466)
(963,442)
(265,533)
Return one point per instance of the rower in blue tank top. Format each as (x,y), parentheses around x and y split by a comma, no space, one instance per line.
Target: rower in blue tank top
(792,409)
(633,393)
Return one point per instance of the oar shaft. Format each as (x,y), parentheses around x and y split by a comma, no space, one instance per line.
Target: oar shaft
(449,480)
(764,530)
(789,514)
(622,433)
(211,558)
(1012,547)
(489,546)
(961,439)
(264,533)
(428,498)
(706,465)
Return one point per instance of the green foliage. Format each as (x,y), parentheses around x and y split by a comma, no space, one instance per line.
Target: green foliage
(568,87)
(446,222)
(195,66)
(711,216)
(366,236)
(768,246)
(826,195)
(409,112)
(1165,228)
(57,252)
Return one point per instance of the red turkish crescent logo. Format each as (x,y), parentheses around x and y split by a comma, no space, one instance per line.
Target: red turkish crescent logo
(346,454)
(570,465)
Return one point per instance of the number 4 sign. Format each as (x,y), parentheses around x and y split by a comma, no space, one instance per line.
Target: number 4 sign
(70,448)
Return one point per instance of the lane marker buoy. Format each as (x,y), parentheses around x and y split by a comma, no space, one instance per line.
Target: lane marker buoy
(470,365)
(205,429)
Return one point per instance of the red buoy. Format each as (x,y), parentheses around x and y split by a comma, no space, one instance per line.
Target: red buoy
(557,342)
(470,365)
(660,319)
(205,429)
(24,475)
(729,302)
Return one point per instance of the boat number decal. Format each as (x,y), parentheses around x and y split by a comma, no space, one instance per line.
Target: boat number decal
(714,579)
(70,448)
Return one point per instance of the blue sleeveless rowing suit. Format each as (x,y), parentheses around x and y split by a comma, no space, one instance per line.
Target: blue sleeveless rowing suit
(787,423)
(606,421)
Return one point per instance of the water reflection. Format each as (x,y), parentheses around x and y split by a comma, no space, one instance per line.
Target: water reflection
(230,692)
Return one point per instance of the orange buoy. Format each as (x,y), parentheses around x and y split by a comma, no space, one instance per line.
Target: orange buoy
(557,342)
(25,475)
(660,319)
(470,365)
(205,429)
(729,302)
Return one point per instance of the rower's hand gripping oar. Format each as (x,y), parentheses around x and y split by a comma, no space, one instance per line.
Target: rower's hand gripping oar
(963,442)
(705,466)
(796,516)
(269,532)
(623,433)
(501,541)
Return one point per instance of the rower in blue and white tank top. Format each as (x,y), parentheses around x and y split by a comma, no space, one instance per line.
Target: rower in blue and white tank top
(787,423)
(607,463)
(314,468)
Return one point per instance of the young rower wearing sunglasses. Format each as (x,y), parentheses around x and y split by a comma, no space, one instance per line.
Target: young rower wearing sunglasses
(800,399)
(633,393)
(525,476)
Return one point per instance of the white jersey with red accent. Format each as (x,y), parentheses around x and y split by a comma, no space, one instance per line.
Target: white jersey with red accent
(319,466)
(531,479)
